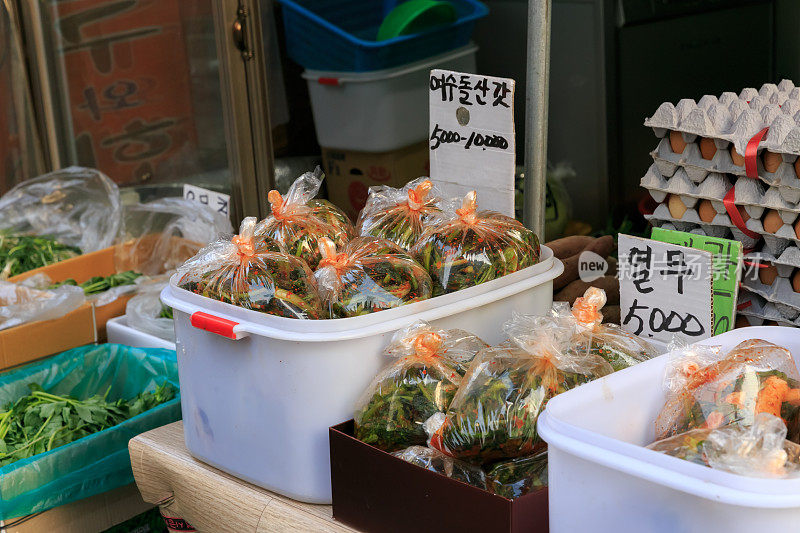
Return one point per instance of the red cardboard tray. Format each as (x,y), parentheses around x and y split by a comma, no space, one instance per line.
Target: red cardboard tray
(376,492)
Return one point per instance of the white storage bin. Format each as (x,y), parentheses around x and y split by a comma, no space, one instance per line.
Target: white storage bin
(259,395)
(602,479)
(119,332)
(381,110)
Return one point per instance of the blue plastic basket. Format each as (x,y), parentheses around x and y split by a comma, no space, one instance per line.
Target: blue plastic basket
(340,35)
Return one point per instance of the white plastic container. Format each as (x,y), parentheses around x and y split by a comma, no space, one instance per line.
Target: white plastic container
(601,478)
(119,332)
(259,395)
(381,110)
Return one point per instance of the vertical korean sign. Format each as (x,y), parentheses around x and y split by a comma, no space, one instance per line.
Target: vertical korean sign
(665,290)
(472,144)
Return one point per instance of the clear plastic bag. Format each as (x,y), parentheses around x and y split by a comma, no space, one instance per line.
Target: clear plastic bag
(519,476)
(252,272)
(707,390)
(609,341)
(22,303)
(368,275)
(493,415)
(758,450)
(399,215)
(76,206)
(298,226)
(159,236)
(436,461)
(423,378)
(146,313)
(463,247)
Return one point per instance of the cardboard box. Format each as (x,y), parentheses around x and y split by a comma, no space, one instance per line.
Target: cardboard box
(83,268)
(350,174)
(377,492)
(28,342)
(96,513)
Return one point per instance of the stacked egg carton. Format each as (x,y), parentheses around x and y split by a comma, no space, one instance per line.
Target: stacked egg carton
(697,161)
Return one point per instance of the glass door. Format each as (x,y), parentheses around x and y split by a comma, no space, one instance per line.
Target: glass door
(148,92)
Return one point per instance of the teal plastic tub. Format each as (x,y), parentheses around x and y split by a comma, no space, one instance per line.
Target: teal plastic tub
(96,463)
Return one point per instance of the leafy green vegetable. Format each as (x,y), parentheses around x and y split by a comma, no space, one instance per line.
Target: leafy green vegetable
(41,421)
(494,413)
(21,253)
(517,477)
(98,284)
(393,417)
(166,312)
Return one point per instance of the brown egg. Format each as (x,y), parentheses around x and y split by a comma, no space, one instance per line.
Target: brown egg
(738,160)
(796,281)
(797,167)
(707,148)
(676,142)
(741,321)
(772,221)
(771,161)
(767,274)
(706,211)
(797,228)
(743,213)
(770,323)
(676,206)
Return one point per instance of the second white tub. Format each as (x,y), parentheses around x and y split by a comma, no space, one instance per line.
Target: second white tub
(258,392)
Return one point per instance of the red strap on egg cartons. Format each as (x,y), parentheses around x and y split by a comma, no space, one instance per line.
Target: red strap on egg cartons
(751,169)
(751,153)
(736,217)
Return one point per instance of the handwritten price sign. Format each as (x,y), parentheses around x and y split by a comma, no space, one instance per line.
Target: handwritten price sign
(665,290)
(472,142)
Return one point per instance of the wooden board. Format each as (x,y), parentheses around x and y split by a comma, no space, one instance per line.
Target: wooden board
(211,500)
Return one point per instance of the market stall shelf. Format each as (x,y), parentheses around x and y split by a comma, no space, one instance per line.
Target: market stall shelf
(210,500)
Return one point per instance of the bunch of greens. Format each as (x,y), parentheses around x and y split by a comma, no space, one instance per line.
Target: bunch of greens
(517,477)
(465,248)
(42,421)
(166,312)
(755,377)
(98,284)
(494,414)
(422,380)
(21,253)
(394,414)
(330,214)
(369,275)
(399,215)
(436,461)
(298,222)
(247,271)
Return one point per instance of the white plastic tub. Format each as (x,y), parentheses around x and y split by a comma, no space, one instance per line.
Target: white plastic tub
(119,332)
(602,479)
(381,110)
(259,395)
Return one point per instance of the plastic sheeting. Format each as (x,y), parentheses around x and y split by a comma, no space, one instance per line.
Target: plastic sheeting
(99,462)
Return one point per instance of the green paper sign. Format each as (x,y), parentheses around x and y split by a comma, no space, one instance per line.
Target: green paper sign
(726,267)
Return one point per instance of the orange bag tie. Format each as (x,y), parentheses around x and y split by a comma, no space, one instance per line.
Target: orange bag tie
(427,344)
(416,196)
(246,246)
(586,309)
(468,207)
(329,256)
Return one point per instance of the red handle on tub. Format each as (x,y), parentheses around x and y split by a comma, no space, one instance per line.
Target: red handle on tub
(214,324)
